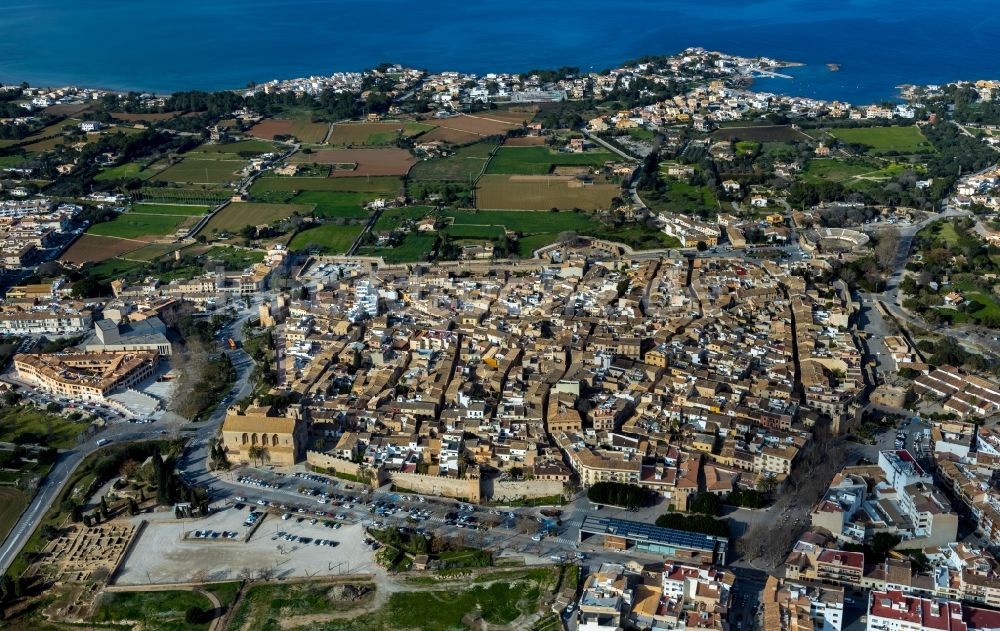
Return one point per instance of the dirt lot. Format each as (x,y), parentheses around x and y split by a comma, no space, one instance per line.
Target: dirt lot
(542,192)
(763,133)
(163,555)
(94,248)
(304,130)
(525,141)
(463,129)
(368,161)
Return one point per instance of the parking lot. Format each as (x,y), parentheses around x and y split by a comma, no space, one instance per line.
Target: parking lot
(168,552)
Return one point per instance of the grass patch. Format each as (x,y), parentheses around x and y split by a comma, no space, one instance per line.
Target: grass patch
(540,160)
(123,172)
(13,501)
(235,216)
(328,238)
(296,184)
(391,218)
(202,171)
(23,423)
(170,209)
(129,225)
(882,140)
(500,603)
(375,134)
(348,205)
(114,268)
(264,606)
(154,610)
(415,247)
(241,148)
(467,162)
(834,170)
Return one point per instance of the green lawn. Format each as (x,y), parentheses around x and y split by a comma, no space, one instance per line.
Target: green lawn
(129,225)
(540,160)
(348,205)
(328,238)
(28,424)
(882,140)
(467,162)
(163,611)
(170,209)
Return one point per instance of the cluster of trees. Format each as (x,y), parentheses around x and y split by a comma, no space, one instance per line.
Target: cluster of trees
(947,351)
(746,498)
(693,523)
(618,494)
(217,457)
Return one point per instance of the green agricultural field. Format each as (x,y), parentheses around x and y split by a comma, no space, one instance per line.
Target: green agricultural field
(390,218)
(375,134)
(7,162)
(124,171)
(527,222)
(151,252)
(881,140)
(110,269)
(177,195)
(369,184)
(746,146)
(415,247)
(234,258)
(328,238)
(682,197)
(129,225)
(237,215)
(834,170)
(170,209)
(164,611)
(241,148)
(202,171)
(465,164)
(27,424)
(475,232)
(541,160)
(336,204)
(638,133)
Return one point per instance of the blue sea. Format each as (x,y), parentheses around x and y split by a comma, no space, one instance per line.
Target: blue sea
(170,45)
